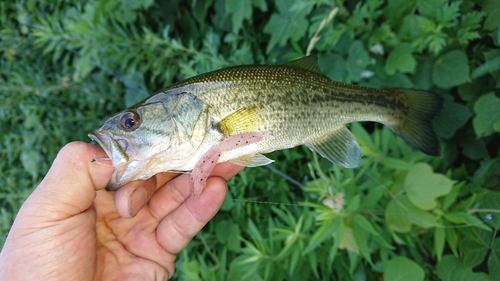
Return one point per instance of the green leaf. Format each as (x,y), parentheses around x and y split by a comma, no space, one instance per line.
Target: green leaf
(453,117)
(428,7)
(422,76)
(494,260)
(261,4)
(451,269)
(492,11)
(487,67)
(327,229)
(474,251)
(240,10)
(451,69)
(492,202)
(451,197)
(285,25)
(401,59)
(361,229)
(228,232)
(357,60)
(400,214)
(333,66)
(30,160)
(467,219)
(487,114)
(439,238)
(83,66)
(423,186)
(403,269)
(396,217)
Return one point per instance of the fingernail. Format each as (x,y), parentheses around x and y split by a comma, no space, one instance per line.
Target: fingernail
(137,201)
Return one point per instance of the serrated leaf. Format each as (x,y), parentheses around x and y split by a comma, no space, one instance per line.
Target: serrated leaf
(239,10)
(448,13)
(451,69)
(487,114)
(423,186)
(401,59)
(403,269)
(285,25)
(428,7)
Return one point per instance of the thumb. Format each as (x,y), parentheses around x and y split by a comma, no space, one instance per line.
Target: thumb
(69,187)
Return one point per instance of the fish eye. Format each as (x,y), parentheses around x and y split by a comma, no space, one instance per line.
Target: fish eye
(130,121)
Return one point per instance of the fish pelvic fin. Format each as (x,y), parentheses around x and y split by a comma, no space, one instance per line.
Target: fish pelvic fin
(416,127)
(340,147)
(252,160)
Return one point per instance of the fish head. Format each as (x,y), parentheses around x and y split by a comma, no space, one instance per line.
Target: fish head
(157,135)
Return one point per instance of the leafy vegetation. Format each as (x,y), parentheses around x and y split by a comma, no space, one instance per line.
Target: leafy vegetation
(68,65)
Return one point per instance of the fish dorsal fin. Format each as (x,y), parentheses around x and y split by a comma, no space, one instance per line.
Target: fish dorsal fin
(243,120)
(340,147)
(309,63)
(252,160)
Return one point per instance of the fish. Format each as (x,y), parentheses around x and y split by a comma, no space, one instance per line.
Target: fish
(237,114)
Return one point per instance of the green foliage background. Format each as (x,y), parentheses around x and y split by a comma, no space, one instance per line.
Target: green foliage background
(401,215)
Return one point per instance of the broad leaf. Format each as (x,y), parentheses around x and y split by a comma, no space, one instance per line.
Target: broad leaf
(451,269)
(487,114)
(401,59)
(423,186)
(403,269)
(451,69)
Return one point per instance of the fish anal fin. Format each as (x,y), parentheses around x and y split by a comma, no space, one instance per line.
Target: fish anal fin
(252,160)
(340,147)
(243,120)
(309,63)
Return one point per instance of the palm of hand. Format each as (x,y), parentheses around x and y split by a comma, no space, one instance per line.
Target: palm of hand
(68,231)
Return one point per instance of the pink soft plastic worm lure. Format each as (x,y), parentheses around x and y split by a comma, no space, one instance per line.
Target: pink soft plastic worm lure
(205,166)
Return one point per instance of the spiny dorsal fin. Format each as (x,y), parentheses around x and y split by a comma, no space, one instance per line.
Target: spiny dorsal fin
(309,63)
(340,147)
(243,120)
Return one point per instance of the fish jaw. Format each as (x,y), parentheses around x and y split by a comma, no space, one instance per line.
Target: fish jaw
(116,151)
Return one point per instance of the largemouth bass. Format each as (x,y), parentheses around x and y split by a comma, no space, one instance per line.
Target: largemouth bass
(238,113)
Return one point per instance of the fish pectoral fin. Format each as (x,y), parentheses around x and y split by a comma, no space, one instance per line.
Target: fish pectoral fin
(340,147)
(308,63)
(243,120)
(252,160)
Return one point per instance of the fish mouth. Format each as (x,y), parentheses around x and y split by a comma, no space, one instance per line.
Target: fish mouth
(115,148)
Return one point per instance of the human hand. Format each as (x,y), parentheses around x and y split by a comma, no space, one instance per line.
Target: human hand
(69,228)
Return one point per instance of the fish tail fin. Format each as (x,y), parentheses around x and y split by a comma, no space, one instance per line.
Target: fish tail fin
(416,127)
